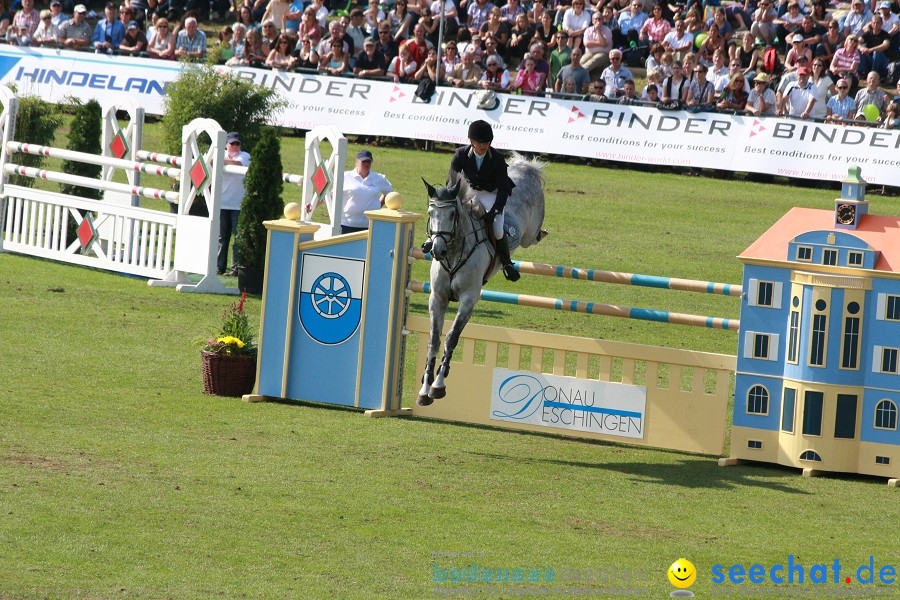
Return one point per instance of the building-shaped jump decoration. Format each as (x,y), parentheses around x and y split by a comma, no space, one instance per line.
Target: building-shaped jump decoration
(817,382)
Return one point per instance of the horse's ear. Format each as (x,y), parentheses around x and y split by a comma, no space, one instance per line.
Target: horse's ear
(453,190)
(429,188)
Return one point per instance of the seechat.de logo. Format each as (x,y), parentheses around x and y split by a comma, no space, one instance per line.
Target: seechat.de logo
(682,574)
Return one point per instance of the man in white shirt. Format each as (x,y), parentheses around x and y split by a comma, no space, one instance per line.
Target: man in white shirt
(230,201)
(364,189)
(799,97)
(679,41)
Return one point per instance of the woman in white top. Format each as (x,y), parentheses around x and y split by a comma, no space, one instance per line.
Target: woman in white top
(824,88)
(46,32)
(575,21)
(162,43)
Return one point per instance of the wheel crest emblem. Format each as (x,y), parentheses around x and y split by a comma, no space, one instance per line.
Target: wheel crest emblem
(330,304)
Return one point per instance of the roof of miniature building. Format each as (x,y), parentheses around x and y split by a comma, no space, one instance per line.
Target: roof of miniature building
(881,233)
(854,176)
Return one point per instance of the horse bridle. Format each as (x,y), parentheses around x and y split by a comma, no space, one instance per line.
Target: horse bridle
(449,237)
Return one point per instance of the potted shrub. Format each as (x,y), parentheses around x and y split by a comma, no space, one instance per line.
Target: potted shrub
(229,358)
(262,202)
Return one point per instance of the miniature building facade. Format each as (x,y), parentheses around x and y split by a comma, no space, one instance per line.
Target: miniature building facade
(817,383)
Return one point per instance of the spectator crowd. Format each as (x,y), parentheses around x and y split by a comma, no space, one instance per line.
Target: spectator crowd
(809,60)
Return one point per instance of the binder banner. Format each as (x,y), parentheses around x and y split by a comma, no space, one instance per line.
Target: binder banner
(634,134)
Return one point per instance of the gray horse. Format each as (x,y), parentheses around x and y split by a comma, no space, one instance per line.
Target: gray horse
(463,258)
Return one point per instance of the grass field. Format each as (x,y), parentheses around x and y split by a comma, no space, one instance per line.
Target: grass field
(119,478)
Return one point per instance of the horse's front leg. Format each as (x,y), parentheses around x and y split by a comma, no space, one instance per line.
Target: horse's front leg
(467,302)
(437,307)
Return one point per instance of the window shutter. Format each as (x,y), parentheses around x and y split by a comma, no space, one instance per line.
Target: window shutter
(749,338)
(753,292)
(773,346)
(777,289)
(876,358)
(882,307)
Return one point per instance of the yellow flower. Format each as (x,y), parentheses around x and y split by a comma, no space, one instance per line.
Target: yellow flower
(231,341)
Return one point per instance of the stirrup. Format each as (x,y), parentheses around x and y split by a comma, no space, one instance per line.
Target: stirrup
(510,272)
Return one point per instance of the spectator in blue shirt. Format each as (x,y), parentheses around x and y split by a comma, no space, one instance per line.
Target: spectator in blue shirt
(109,32)
(630,23)
(190,41)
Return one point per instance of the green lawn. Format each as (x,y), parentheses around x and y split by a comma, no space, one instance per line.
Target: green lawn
(119,478)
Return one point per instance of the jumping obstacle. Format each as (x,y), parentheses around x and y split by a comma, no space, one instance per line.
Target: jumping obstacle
(118,234)
(325,320)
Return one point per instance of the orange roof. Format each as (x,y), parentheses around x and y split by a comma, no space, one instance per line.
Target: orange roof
(881,233)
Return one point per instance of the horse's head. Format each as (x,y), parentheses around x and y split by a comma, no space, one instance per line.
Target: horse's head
(443,217)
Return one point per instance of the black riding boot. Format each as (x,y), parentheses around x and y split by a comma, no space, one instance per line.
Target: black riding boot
(509,271)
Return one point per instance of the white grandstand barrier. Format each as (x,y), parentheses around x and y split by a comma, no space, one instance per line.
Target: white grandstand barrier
(324,178)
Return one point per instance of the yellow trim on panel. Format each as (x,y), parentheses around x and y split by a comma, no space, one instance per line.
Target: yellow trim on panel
(824,294)
(396,216)
(362,315)
(338,239)
(848,282)
(289,324)
(388,349)
(291,226)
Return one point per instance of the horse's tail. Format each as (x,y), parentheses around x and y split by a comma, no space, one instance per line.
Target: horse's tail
(534,167)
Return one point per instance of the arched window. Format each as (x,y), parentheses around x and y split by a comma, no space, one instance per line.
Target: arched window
(886,415)
(810,455)
(758,400)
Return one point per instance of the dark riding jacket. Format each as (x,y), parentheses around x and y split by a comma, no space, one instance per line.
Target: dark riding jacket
(491,177)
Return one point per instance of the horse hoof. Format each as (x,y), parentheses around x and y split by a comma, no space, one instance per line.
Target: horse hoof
(423,400)
(438,393)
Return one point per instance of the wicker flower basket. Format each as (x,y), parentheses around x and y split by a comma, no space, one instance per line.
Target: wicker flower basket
(225,375)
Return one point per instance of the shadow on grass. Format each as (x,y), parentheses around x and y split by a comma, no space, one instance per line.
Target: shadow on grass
(690,473)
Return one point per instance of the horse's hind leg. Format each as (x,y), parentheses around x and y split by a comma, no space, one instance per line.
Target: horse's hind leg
(437,306)
(466,304)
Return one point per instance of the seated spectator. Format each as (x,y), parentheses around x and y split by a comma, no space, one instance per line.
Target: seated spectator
(798,49)
(655,78)
(109,32)
(24,38)
(309,27)
(308,58)
(690,61)
(719,73)
(598,92)
(225,44)
(26,17)
(245,18)
(871,95)
(575,71)
(597,44)
(400,21)
(403,66)
(528,80)
(812,33)
(495,76)
(276,12)
(787,24)
(280,56)
(830,42)
(656,28)
(57,17)
(890,22)
(429,68)
(191,42)
(745,53)
(874,48)
(892,116)
(651,94)
(692,21)
(162,42)
(477,13)
(497,28)
(763,25)
(255,50)
(630,23)
(652,63)
(858,18)
(467,73)
(679,42)
(450,57)
(135,42)
(520,39)
(846,60)
(386,45)
(451,17)
(546,31)
(126,15)
(820,14)
(374,15)
(561,55)
(721,23)
(336,37)
(761,99)
(733,97)
(713,42)
(46,33)
(369,63)
(799,97)
(511,11)
(270,33)
(76,33)
(336,61)
(575,22)
(238,39)
(418,45)
(321,11)
(490,49)
(701,93)
(841,107)
(431,25)
(615,75)
(540,65)
(629,95)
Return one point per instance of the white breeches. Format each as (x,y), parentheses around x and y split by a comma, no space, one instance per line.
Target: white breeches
(487,200)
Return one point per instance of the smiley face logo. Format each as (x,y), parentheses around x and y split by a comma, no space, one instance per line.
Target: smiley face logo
(682,573)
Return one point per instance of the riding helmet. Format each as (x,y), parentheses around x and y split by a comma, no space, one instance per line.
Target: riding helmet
(480,131)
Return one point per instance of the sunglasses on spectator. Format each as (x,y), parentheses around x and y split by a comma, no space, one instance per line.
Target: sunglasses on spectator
(843,87)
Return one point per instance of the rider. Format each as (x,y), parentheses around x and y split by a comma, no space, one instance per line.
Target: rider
(485,170)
